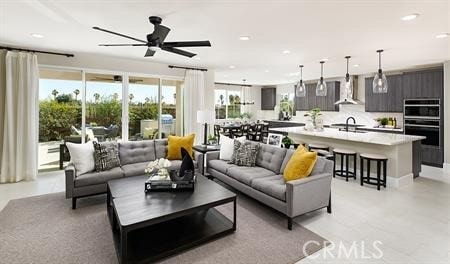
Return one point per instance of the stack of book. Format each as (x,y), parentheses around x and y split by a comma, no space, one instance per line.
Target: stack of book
(158,183)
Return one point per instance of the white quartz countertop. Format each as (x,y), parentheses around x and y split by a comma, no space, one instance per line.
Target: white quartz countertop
(382,129)
(369,137)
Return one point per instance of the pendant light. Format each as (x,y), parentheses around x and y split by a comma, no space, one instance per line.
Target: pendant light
(380,84)
(347,98)
(321,88)
(300,87)
(244,95)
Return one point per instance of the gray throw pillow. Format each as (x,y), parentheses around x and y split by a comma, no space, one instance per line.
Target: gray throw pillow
(106,155)
(244,154)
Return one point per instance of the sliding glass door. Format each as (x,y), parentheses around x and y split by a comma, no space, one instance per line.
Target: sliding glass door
(171,105)
(103,115)
(143,108)
(59,115)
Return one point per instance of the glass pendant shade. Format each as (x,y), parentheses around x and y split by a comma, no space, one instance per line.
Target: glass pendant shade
(321,88)
(380,84)
(300,89)
(348,86)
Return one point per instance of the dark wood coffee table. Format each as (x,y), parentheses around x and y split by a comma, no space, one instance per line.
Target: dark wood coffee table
(150,226)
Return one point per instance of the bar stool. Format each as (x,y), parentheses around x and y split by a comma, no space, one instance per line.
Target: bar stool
(380,159)
(344,154)
(318,146)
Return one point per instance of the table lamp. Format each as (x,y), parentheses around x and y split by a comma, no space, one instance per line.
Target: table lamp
(205,117)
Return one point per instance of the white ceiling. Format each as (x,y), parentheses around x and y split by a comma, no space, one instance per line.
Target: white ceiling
(311,30)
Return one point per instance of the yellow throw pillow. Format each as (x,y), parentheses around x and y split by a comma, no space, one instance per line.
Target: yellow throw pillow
(174,145)
(300,164)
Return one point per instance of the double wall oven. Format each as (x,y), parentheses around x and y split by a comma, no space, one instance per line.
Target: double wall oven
(422,117)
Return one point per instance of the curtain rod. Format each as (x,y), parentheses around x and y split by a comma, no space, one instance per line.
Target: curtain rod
(233,84)
(37,51)
(187,68)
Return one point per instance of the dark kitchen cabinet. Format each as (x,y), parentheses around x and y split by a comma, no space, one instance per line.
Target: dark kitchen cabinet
(268,98)
(423,84)
(325,103)
(392,101)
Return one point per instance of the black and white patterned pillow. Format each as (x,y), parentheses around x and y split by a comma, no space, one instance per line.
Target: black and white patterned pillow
(244,154)
(106,155)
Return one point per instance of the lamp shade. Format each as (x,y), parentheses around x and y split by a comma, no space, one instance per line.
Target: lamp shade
(206,116)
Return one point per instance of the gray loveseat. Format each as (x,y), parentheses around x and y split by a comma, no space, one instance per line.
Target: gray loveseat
(266,184)
(134,157)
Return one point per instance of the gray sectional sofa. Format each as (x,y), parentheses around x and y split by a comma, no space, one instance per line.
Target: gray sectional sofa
(266,184)
(134,157)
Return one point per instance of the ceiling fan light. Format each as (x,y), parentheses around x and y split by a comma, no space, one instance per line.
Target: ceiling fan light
(155,48)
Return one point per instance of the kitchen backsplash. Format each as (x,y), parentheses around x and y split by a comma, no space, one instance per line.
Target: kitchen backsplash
(357,111)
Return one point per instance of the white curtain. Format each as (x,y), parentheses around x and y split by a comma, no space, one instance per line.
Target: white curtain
(194,90)
(19,114)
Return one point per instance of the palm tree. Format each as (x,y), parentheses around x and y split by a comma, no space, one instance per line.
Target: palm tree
(131,97)
(55,93)
(147,100)
(231,98)
(116,96)
(76,92)
(96,97)
(221,99)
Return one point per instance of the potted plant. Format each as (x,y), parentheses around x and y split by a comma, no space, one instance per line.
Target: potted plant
(287,142)
(314,113)
(384,121)
(212,139)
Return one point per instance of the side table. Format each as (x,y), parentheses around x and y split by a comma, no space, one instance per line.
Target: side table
(204,149)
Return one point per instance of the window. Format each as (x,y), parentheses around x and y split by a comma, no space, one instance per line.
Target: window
(287,103)
(227,103)
(105,108)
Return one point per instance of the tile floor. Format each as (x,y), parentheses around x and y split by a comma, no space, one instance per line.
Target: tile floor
(412,223)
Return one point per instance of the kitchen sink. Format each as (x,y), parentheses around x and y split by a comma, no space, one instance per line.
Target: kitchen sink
(353,131)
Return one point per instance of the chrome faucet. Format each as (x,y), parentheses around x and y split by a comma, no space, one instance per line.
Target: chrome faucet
(346,122)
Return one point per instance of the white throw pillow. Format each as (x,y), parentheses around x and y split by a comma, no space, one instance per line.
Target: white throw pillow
(227,146)
(82,157)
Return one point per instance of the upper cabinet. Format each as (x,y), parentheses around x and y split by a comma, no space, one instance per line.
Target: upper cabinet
(416,84)
(325,103)
(268,98)
(392,101)
(423,84)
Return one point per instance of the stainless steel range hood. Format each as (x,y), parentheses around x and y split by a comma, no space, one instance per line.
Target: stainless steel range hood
(349,97)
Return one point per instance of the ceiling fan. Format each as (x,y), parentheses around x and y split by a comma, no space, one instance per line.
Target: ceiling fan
(116,78)
(155,40)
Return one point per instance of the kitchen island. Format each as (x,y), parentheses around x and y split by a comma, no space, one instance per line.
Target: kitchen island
(403,151)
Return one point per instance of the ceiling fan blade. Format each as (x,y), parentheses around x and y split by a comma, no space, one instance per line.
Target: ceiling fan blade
(179,52)
(121,45)
(205,43)
(160,33)
(118,34)
(149,53)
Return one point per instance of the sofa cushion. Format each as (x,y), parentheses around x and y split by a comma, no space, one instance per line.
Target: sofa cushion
(106,155)
(300,165)
(286,159)
(248,174)
(175,143)
(82,157)
(244,154)
(93,178)
(161,148)
(134,169)
(270,157)
(136,151)
(274,186)
(320,166)
(220,165)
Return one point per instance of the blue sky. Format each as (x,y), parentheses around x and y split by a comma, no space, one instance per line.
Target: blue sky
(140,91)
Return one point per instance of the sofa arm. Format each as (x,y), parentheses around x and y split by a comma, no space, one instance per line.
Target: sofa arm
(308,194)
(70,180)
(212,155)
(199,158)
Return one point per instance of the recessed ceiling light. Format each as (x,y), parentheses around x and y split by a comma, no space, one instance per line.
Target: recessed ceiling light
(443,35)
(231,66)
(266,71)
(410,17)
(244,38)
(286,51)
(36,35)
(355,65)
